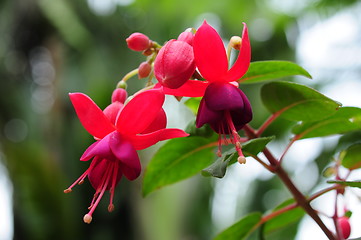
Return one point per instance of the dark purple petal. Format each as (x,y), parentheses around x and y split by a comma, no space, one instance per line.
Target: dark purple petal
(223,96)
(205,115)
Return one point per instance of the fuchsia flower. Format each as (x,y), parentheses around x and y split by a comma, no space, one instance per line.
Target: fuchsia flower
(224,106)
(119,131)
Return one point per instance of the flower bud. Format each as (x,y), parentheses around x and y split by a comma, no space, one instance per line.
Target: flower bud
(138,42)
(144,70)
(119,95)
(174,64)
(345,226)
(186,36)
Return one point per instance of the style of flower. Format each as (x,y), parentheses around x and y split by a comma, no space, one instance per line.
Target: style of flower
(119,131)
(223,106)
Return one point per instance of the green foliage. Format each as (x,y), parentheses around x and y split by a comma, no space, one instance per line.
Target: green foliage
(241,229)
(344,120)
(356,184)
(177,160)
(351,157)
(284,219)
(297,102)
(269,70)
(193,104)
(251,148)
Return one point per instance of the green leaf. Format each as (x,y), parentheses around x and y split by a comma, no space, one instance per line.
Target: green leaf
(284,219)
(297,102)
(193,104)
(241,229)
(251,148)
(204,131)
(351,157)
(345,119)
(255,146)
(269,70)
(219,167)
(347,183)
(176,160)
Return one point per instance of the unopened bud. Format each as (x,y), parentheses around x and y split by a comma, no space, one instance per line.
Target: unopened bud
(122,84)
(186,36)
(138,42)
(87,218)
(174,64)
(119,95)
(236,42)
(144,70)
(345,226)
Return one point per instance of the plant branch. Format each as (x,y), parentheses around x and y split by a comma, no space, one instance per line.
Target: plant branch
(298,196)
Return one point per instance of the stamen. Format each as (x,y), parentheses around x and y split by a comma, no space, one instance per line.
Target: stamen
(103,187)
(235,138)
(87,218)
(112,188)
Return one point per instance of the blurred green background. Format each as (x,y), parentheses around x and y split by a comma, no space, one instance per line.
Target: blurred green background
(49,48)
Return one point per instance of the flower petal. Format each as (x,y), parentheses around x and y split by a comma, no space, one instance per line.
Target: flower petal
(143,141)
(210,54)
(159,122)
(113,110)
(191,88)
(90,115)
(241,65)
(125,152)
(223,96)
(99,148)
(205,115)
(140,112)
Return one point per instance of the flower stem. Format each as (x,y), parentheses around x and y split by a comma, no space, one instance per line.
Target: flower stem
(298,196)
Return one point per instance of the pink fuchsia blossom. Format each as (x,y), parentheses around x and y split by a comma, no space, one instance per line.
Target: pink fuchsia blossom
(223,106)
(120,131)
(174,64)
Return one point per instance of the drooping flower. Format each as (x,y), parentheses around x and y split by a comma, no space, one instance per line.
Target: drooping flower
(223,106)
(120,131)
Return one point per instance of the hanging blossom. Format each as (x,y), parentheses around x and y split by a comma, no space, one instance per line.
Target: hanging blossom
(223,106)
(119,131)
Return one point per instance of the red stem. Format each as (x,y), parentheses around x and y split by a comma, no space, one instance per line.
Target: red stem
(298,196)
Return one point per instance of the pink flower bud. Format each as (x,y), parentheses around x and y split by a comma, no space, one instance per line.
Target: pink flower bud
(144,70)
(344,226)
(119,95)
(138,42)
(187,37)
(174,64)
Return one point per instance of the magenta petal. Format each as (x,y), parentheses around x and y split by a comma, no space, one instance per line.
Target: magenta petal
(100,167)
(210,54)
(191,88)
(241,65)
(223,96)
(90,115)
(205,115)
(140,112)
(124,151)
(143,141)
(87,155)
(100,148)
